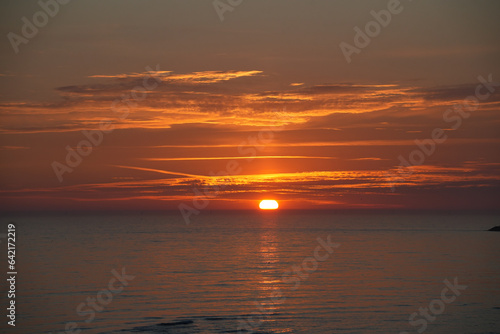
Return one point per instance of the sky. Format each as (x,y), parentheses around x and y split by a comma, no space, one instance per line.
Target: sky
(149,105)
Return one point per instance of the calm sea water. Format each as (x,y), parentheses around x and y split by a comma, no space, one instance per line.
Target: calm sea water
(226,269)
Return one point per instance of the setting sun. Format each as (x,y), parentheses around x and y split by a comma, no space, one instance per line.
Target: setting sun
(268,204)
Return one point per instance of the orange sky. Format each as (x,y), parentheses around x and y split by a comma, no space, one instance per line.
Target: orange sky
(253,108)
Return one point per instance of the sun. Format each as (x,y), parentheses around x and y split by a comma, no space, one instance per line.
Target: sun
(268,204)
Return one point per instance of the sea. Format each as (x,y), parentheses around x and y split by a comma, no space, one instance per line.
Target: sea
(253,272)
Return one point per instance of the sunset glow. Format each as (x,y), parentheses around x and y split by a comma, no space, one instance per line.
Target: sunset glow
(240,166)
(268,204)
(152,132)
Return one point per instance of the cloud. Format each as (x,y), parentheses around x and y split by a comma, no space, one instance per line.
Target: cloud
(450,93)
(239,158)
(239,100)
(156,73)
(204,77)
(316,186)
